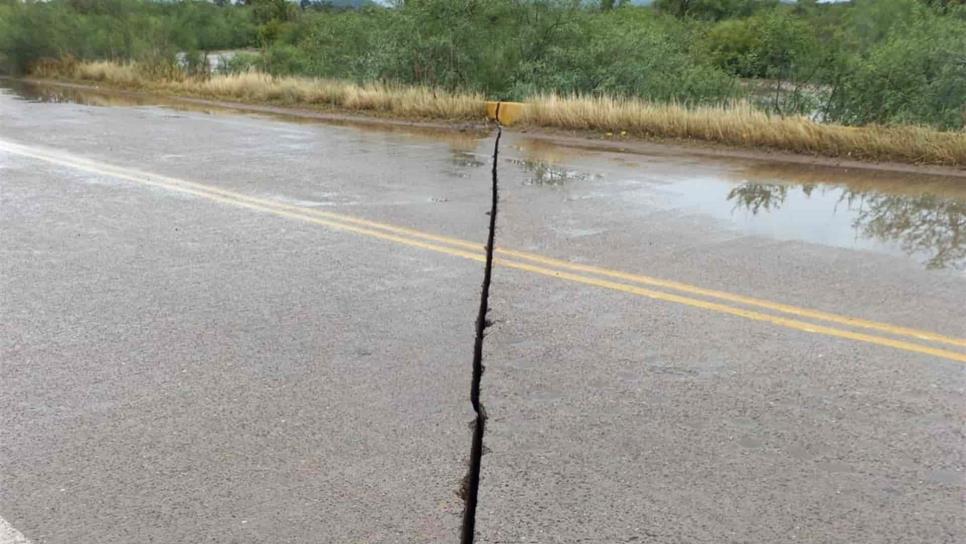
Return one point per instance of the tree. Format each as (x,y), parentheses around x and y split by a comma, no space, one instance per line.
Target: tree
(607,5)
(713,10)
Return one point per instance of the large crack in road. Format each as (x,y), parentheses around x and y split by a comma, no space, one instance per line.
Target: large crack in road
(471,483)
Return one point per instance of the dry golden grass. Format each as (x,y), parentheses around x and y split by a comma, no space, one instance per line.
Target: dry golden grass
(397,100)
(738,124)
(402,101)
(108,72)
(742,125)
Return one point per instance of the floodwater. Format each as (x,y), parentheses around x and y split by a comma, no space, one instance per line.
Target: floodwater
(918,216)
(915,216)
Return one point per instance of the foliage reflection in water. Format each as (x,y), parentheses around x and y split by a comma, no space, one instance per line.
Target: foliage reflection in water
(925,224)
(545,174)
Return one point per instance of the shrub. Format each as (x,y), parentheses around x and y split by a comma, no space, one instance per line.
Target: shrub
(916,74)
(867,61)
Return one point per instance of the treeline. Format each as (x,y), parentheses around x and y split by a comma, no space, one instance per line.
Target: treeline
(117,30)
(860,62)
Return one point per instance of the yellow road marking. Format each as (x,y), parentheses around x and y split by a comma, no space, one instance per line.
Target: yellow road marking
(406,236)
(668,284)
(750,301)
(635,278)
(748,314)
(193,189)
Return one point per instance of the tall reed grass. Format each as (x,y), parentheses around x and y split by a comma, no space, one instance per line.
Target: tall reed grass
(398,100)
(738,124)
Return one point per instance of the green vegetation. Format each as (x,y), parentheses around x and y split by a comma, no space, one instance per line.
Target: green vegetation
(116,30)
(886,62)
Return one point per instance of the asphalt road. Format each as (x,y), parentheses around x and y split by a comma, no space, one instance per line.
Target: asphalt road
(229,328)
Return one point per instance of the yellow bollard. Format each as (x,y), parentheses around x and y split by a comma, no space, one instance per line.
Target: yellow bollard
(510,112)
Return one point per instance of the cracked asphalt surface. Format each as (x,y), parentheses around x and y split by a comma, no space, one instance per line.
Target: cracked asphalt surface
(178,368)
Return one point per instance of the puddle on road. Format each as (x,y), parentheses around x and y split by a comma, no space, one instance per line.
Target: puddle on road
(55,94)
(922,217)
(928,227)
(546,174)
(919,216)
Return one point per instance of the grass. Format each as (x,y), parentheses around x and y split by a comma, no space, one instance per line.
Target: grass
(402,101)
(738,124)
(742,125)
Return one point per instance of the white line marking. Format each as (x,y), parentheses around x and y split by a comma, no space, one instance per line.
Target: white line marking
(9,535)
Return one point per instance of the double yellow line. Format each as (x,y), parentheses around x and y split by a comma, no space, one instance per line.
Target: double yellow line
(755,309)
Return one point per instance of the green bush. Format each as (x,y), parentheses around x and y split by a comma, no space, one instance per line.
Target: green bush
(713,10)
(910,77)
(283,59)
(768,45)
(866,61)
(507,49)
(346,44)
(628,52)
(116,29)
(905,63)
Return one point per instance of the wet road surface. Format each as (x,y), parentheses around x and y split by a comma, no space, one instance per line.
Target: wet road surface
(230,328)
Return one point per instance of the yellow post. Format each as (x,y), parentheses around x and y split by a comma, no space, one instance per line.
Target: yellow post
(510,112)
